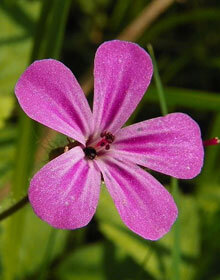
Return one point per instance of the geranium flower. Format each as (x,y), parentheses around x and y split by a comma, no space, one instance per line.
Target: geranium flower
(65,192)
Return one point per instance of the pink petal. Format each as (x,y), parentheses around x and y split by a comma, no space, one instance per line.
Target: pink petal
(122,74)
(144,205)
(171,145)
(49,93)
(65,192)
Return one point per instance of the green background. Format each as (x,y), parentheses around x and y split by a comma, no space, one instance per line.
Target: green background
(185,38)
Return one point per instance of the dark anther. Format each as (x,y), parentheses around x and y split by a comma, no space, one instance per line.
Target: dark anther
(102,144)
(90,152)
(107,147)
(102,134)
(109,137)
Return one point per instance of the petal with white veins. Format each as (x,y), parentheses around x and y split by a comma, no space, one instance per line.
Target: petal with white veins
(171,145)
(144,205)
(122,74)
(65,192)
(49,93)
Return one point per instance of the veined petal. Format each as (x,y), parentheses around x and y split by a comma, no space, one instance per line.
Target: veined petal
(144,205)
(171,145)
(49,93)
(122,73)
(65,192)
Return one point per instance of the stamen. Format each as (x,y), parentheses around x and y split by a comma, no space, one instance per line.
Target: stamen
(109,137)
(102,143)
(211,142)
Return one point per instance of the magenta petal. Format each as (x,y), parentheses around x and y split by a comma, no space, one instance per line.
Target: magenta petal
(65,192)
(122,74)
(144,205)
(171,145)
(49,93)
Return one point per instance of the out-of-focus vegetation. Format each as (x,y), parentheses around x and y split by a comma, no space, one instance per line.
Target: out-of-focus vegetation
(185,38)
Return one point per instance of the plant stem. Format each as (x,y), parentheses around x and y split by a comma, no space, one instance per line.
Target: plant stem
(21,203)
(158,83)
(176,252)
(47,256)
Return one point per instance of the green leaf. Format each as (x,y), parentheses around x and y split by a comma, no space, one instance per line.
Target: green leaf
(101,261)
(33,244)
(7,149)
(14,57)
(83,264)
(35,239)
(10,247)
(6,107)
(187,98)
(209,198)
(179,97)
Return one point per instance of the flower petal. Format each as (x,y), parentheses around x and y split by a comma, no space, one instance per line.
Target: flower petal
(65,192)
(144,205)
(122,74)
(49,93)
(171,145)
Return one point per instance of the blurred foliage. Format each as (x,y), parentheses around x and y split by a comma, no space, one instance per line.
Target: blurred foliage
(155,257)
(186,43)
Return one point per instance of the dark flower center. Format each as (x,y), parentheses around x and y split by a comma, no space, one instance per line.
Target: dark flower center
(90,152)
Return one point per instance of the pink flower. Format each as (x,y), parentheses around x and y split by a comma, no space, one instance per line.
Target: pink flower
(65,192)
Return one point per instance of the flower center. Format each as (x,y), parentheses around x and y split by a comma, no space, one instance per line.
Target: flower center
(90,152)
(99,147)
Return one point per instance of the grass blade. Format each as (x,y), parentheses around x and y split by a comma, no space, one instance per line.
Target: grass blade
(176,253)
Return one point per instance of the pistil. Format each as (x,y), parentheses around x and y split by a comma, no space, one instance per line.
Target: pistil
(211,142)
